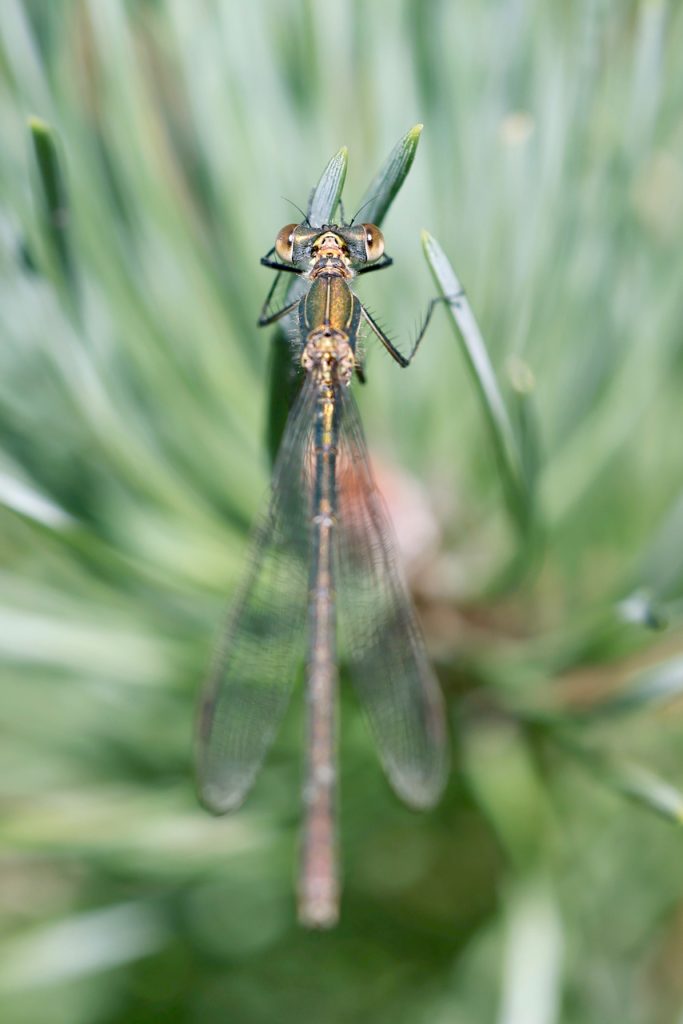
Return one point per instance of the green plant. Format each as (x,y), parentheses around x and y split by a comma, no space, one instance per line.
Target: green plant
(133,398)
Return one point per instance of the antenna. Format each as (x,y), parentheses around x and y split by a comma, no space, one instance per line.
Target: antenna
(304,215)
(366,203)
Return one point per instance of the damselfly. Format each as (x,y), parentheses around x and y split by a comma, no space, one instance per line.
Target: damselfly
(324,545)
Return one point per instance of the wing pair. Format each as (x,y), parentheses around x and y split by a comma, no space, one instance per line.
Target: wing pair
(251,681)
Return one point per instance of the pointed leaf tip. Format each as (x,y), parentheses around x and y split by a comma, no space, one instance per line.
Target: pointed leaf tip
(53,203)
(505,442)
(327,193)
(37,124)
(386,184)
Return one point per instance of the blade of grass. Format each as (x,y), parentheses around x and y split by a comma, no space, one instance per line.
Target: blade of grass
(523,415)
(533,953)
(628,779)
(327,193)
(649,790)
(386,184)
(517,483)
(504,782)
(53,202)
(658,685)
(80,945)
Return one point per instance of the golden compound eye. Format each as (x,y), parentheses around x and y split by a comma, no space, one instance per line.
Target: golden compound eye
(374,242)
(284,243)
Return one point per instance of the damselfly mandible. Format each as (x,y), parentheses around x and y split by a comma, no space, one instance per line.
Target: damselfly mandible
(323,554)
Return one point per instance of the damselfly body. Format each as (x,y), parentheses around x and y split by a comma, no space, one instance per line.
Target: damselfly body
(323,555)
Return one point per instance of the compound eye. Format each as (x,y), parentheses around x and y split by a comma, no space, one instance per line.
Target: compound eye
(374,242)
(284,243)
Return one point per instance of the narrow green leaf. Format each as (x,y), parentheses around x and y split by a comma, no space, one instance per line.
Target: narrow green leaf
(327,193)
(626,778)
(649,790)
(53,202)
(79,946)
(655,564)
(531,983)
(386,184)
(523,414)
(503,779)
(519,493)
(657,685)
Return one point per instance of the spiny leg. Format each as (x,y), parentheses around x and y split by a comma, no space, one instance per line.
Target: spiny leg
(389,345)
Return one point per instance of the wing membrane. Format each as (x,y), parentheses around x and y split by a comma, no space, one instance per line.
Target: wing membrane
(383,642)
(250,684)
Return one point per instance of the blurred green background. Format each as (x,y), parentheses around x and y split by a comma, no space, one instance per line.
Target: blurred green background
(548,885)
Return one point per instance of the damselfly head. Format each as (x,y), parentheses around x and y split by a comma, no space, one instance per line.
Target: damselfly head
(353,244)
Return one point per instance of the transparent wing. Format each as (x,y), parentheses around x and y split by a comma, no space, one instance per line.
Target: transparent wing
(250,684)
(383,642)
